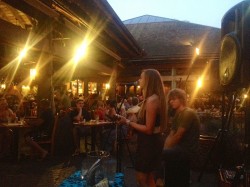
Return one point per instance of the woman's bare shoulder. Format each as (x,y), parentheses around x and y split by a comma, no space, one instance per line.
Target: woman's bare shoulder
(153,98)
(10,111)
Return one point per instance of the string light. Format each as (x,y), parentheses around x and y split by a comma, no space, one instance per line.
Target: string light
(197,51)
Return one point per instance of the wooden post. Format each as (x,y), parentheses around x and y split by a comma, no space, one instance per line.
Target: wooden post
(45,72)
(173,82)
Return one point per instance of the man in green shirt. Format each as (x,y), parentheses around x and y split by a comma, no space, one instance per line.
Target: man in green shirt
(182,142)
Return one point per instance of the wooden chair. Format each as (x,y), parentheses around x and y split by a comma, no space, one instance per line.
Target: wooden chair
(51,140)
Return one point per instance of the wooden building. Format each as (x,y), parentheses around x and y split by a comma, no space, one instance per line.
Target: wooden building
(117,51)
(170,46)
(51,30)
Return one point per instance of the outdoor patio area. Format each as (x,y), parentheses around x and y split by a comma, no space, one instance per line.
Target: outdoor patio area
(53,171)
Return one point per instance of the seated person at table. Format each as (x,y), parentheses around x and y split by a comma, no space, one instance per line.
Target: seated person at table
(78,114)
(44,128)
(100,111)
(62,101)
(109,133)
(91,102)
(110,110)
(6,135)
(6,114)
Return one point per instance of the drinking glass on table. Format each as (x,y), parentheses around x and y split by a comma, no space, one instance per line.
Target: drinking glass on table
(97,118)
(8,119)
(22,117)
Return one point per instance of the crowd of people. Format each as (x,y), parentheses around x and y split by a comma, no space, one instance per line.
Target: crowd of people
(95,109)
(78,109)
(44,123)
(166,129)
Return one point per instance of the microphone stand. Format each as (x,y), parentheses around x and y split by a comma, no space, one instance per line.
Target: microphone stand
(119,135)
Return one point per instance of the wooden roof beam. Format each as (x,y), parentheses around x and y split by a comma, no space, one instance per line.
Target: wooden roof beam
(131,47)
(56,16)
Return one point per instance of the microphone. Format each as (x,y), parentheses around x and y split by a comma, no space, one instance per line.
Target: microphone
(129,83)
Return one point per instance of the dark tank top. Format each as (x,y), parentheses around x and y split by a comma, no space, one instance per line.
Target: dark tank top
(157,120)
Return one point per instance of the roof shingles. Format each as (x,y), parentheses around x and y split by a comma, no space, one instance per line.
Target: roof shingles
(170,38)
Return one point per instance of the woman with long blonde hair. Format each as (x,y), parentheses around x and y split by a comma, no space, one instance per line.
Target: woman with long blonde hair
(149,127)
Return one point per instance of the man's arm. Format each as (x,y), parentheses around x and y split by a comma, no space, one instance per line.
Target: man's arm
(78,117)
(174,137)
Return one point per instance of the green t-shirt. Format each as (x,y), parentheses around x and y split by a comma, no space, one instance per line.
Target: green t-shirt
(189,120)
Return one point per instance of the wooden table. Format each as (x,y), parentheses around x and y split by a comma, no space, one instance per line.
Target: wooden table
(15,125)
(94,125)
(17,128)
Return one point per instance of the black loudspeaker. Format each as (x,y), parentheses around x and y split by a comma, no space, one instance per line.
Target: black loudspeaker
(234,65)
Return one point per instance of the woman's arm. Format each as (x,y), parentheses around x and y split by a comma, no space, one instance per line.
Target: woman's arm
(152,107)
(11,114)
